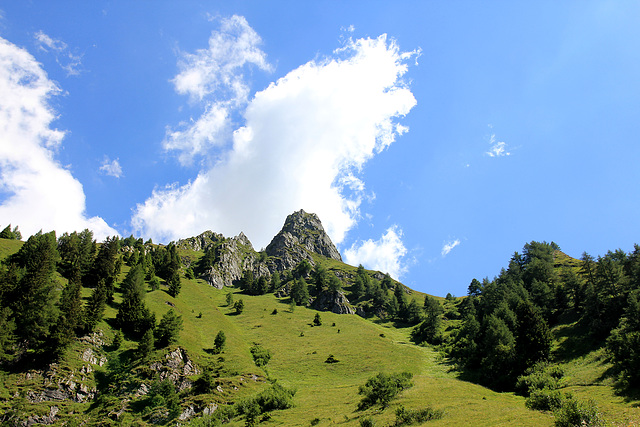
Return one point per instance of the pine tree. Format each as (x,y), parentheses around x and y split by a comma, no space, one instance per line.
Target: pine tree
(219,342)
(175,284)
(145,346)
(33,297)
(300,291)
(133,316)
(169,328)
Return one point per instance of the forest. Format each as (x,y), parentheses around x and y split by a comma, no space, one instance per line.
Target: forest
(513,333)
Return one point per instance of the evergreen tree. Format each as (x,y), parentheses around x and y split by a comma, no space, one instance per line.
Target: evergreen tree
(275,281)
(246,283)
(624,342)
(238,306)
(499,352)
(229,299)
(168,330)
(219,342)
(262,286)
(430,328)
(300,291)
(133,316)
(105,266)
(317,321)
(94,309)
(175,284)
(33,299)
(533,337)
(7,334)
(77,251)
(145,346)
(71,314)
(303,269)
(321,278)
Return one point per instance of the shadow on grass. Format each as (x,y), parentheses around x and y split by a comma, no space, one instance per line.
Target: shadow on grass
(572,342)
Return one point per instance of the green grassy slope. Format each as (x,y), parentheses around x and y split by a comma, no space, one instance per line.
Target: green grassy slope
(328,393)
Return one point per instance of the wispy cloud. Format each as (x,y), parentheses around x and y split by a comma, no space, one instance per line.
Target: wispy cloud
(448,246)
(215,77)
(67,60)
(385,254)
(305,140)
(38,192)
(111,167)
(498,148)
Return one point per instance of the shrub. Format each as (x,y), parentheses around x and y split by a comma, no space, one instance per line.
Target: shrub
(545,400)
(331,359)
(575,413)
(317,321)
(367,422)
(238,306)
(539,377)
(218,342)
(382,388)
(261,355)
(406,417)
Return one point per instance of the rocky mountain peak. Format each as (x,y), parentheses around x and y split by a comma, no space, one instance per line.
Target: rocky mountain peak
(301,236)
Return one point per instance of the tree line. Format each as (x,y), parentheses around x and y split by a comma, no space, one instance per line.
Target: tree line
(41,304)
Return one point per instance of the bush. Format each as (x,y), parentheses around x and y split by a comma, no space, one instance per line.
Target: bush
(545,400)
(367,422)
(382,388)
(261,355)
(539,377)
(331,359)
(575,413)
(274,398)
(406,417)
(219,342)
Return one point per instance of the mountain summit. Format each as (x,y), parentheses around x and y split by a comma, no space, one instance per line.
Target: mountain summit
(301,236)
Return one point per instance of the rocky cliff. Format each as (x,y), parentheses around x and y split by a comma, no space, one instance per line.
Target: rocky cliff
(301,236)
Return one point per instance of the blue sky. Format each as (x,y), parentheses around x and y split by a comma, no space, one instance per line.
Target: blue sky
(433,139)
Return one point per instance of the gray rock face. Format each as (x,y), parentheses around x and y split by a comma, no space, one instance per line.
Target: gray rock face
(233,256)
(336,302)
(201,242)
(301,236)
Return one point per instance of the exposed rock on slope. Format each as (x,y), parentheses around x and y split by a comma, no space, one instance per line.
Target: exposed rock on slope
(301,236)
(335,302)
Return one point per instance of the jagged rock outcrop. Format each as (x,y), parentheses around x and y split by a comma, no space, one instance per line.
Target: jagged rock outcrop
(336,302)
(177,367)
(301,236)
(202,242)
(233,257)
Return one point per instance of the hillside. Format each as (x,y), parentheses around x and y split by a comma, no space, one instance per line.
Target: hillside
(97,382)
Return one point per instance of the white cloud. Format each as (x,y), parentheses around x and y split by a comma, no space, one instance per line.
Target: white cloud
(66,59)
(385,254)
(111,167)
(214,75)
(498,148)
(306,138)
(448,247)
(36,192)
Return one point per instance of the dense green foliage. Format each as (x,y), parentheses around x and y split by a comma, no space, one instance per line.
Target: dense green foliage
(500,335)
(382,388)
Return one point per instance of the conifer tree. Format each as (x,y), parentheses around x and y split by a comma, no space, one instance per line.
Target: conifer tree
(33,297)
(133,316)
(169,328)
(175,284)
(219,342)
